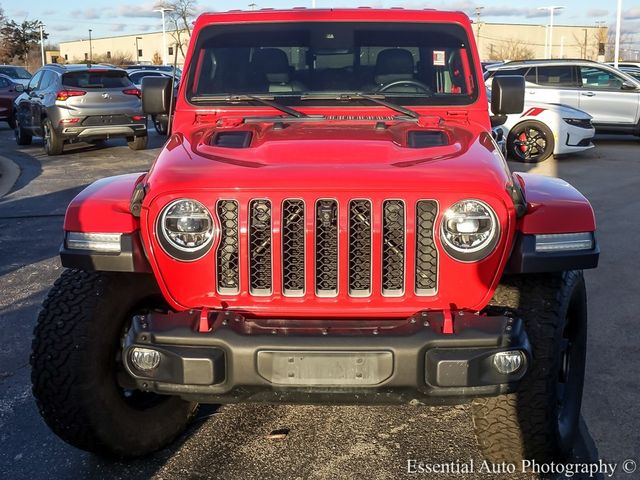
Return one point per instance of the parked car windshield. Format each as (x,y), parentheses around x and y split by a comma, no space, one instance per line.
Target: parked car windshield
(16,72)
(96,79)
(416,64)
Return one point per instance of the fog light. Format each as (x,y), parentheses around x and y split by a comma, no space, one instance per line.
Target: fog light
(145,359)
(508,362)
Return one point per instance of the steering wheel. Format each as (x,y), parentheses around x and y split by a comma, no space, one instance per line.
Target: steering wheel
(414,83)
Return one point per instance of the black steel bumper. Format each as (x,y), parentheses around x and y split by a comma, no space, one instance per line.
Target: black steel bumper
(325,361)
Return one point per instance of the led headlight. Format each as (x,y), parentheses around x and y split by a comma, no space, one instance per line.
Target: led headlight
(185,229)
(469,230)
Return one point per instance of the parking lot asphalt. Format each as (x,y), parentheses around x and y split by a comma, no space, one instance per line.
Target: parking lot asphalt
(322,442)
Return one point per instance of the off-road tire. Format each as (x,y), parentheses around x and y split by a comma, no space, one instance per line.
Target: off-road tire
(138,143)
(74,350)
(52,141)
(23,137)
(516,130)
(531,424)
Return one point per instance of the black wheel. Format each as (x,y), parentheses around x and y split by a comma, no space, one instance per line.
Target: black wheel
(161,124)
(51,140)
(530,142)
(23,137)
(540,420)
(137,143)
(80,386)
(12,121)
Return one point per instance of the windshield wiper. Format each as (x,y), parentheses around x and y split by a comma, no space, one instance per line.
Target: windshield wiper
(379,99)
(244,98)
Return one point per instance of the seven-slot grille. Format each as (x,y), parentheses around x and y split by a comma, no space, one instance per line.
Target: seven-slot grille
(293,246)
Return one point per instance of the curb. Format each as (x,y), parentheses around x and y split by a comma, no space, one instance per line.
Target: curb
(9,173)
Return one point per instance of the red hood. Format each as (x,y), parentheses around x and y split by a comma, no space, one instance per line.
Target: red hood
(342,161)
(333,155)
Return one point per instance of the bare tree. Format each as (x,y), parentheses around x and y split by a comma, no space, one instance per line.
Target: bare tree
(510,49)
(180,18)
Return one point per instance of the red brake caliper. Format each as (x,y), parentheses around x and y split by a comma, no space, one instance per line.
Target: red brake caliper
(523,138)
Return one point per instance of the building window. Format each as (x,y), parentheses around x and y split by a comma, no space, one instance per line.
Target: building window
(108,54)
(170,50)
(86,56)
(140,52)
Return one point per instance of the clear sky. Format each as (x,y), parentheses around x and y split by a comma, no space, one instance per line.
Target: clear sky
(71,19)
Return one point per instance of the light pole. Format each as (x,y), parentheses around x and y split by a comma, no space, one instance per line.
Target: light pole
(162,10)
(90,49)
(138,50)
(616,53)
(551,9)
(42,25)
(478,12)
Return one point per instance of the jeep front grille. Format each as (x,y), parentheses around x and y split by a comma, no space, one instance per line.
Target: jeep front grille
(360,248)
(426,253)
(326,248)
(377,247)
(293,253)
(228,255)
(393,239)
(260,261)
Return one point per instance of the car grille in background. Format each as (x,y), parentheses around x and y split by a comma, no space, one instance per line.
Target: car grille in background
(326,248)
(392,247)
(359,248)
(293,255)
(228,255)
(260,282)
(426,253)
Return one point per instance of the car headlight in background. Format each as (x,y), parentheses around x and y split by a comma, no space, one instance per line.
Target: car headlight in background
(185,229)
(579,122)
(469,230)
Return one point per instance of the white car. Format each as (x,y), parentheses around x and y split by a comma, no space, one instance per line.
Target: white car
(545,129)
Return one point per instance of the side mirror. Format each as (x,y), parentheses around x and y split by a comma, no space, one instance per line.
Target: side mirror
(507,95)
(19,88)
(627,85)
(156,95)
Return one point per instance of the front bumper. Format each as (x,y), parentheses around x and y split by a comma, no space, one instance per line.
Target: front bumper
(225,358)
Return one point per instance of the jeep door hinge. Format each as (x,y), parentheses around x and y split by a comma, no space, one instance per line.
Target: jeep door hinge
(135,205)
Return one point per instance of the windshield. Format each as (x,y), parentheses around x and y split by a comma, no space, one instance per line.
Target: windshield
(96,79)
(415,64)
(15,72)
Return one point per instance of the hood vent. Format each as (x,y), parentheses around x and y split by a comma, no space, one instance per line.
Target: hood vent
(427,138)
(232,139)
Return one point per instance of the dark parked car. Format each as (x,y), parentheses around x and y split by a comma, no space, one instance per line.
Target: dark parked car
(8,94)
(68,103)
(17,74)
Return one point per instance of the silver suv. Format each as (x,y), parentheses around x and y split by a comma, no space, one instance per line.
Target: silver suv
(610,96)
(68,103)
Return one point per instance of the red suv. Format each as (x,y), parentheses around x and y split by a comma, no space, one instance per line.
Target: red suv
(330,220)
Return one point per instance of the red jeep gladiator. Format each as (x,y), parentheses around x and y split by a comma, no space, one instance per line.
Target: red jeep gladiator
(330,221)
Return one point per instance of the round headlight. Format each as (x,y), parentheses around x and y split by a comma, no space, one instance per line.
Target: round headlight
(185,229)
(469,230)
